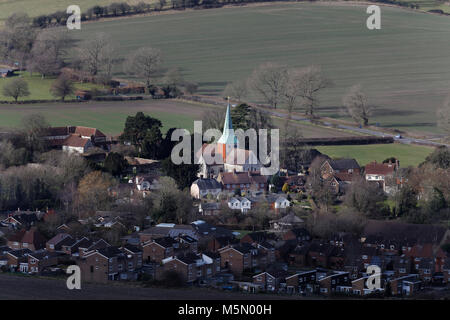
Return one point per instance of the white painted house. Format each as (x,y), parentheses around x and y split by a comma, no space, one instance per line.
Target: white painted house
(240,203)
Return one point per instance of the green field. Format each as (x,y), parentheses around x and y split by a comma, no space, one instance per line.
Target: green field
(404,67)
(106,116)
(39,87)
(408,155)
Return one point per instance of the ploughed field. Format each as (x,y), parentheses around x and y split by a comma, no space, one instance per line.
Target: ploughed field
(24,287)
(404,67)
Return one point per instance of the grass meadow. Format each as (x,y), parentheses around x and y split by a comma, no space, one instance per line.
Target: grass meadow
(39,87)
(408,155)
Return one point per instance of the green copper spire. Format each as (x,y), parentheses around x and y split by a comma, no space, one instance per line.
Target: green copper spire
(228,137)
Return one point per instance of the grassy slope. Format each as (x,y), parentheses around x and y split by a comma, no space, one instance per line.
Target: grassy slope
(407,154)
(39,87)
(403,67)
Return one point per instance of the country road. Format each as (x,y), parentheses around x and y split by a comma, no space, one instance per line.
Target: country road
(405,140)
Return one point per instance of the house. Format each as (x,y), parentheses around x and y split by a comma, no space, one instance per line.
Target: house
(301,282)
(71,246)
(18,259)
(192,267)
(359,287)
(336,282)
(21,219)
(331,167)
(75,138)
(380,172)
(56,243)
(39,260)
(199,230)
(201,188)
(286,222)
(277,202)
(110,263)
(406,285)
(27,239)
(271,281)
(209,208)
(240,203)
(245,181)
(147,182)
(157,250)
(237,258)
(76,144)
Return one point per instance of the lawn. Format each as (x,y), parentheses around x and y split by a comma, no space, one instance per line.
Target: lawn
(39,87)
(403,67)
(106,116)
(408,155)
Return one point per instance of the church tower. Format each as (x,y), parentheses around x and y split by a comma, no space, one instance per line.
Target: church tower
(228,141)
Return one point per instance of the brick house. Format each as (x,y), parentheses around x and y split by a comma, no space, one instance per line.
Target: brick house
(332,167)
(56,243)
(406,285)
(185,266)
(37,261)
(302,282)
(271,281)
(242,180)
(329,284)
(110,263)
(27,239)
(237,258)
(18,258)
(158,249)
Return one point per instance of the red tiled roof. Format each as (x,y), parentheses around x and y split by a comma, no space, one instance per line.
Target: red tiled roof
(343,176)
(87,132)
(380,168)
(242,178)
(75,141)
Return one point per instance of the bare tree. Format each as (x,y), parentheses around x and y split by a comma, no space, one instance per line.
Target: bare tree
(92,52)
(236,89)
(443,117)
(16,88)
(62,87)
(144,62)
(269,80)
(310,83)
(357,105)
(213,119)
